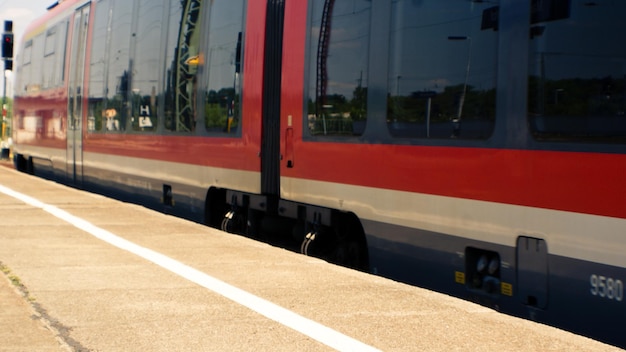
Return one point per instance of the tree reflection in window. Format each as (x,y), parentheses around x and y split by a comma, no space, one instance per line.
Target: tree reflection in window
(577,71)
(223,62)
(442,71)
(340,34)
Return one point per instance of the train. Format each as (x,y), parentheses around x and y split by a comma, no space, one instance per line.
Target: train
(472,147)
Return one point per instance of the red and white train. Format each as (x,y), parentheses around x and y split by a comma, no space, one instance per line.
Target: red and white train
(474,147)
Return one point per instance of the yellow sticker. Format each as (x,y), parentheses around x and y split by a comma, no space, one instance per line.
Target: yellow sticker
(506,289)
(459,277)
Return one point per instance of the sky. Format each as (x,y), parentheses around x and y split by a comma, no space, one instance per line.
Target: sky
(21,12)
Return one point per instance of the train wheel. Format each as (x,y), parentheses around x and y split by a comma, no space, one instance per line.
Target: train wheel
(350,253)
(349,247)
(215,207)
(22,164)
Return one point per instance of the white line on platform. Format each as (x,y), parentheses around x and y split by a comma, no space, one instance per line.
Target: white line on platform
(270,310)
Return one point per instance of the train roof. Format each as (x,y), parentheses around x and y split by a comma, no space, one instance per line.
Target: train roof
(59,9)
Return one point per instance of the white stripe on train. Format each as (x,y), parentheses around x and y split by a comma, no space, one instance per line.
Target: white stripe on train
(593,238)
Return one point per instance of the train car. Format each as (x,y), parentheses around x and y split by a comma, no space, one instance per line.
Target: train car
(477,148)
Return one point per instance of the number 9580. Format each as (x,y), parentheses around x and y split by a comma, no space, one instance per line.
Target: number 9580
(606,287)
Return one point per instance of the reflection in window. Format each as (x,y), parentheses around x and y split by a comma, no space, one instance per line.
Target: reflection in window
(182,60)
(577,71)
(96,103)
(118,75)
(146,65)
(49,57)
(32,74)
(340,34)
(110,74)
(442,71)
(47,49)
(37,78)
(223,62)
(24,70)
(59,76)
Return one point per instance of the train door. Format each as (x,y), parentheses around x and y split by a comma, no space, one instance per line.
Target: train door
(75,95)
(270,147)
(532,271)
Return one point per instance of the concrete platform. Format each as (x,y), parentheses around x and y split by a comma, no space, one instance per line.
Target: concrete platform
(78,292)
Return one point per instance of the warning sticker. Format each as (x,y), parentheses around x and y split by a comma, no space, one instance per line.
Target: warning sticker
(506,289)
(459,277)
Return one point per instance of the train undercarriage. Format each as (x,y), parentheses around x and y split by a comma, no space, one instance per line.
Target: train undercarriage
(329,234)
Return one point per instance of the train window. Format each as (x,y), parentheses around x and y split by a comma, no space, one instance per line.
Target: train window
(340,35)
(117,86)
(35,79)
(146,65)
(577,71)
(28,52)
(223,64)
(182,58)
(442,69)
(49,57)
(24,69)
(54,55)
(110,73)
(50,45)
(59,76)
(96,119)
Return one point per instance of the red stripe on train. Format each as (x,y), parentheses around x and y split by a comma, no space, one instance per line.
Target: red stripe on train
(580,182)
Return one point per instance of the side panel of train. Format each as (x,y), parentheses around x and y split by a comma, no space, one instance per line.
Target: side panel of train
(476,148)
(468,134)
(126,120)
